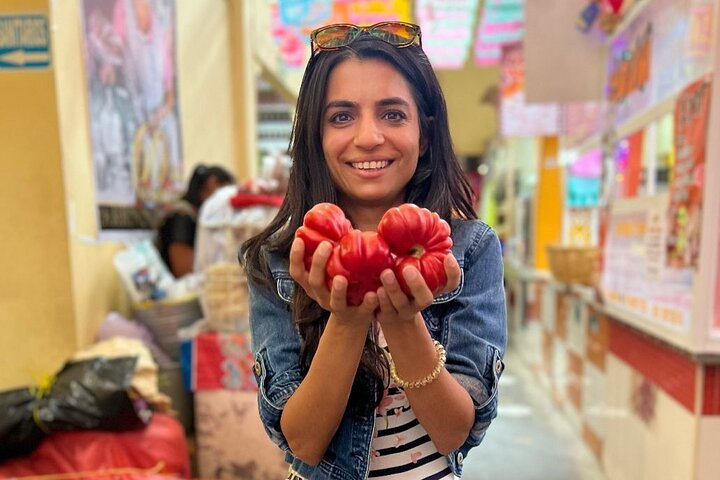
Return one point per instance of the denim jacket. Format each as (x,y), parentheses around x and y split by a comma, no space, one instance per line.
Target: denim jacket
(469,321)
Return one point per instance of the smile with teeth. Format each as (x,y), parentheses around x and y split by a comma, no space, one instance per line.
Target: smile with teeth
(374,165)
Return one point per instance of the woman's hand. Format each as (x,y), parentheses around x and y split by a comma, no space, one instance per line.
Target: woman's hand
(395,306)
(313,282)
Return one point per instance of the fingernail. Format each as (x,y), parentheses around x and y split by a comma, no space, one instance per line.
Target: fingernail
(387,277)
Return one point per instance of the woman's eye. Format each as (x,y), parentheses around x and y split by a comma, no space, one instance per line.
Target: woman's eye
(395,115)
(341,117)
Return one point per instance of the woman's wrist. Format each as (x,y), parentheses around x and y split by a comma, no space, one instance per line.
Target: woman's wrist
(350,327)
(427,379)
(405,328)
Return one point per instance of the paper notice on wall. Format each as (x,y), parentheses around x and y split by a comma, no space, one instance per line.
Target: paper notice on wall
(636,278)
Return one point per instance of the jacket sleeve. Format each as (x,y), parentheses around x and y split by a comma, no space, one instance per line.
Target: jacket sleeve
(276,349)
(477,326)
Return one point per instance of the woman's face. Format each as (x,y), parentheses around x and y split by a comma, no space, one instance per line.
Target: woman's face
(370,133)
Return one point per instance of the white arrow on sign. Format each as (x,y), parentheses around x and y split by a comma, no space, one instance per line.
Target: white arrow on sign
(21,58)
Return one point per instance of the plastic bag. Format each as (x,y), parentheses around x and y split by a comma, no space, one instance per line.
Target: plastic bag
(90,394)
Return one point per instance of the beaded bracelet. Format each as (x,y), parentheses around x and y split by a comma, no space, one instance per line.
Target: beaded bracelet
(442,356)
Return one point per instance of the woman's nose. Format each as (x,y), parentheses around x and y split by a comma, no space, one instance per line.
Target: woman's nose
(368,133)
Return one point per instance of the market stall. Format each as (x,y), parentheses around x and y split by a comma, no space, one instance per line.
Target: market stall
(630,349)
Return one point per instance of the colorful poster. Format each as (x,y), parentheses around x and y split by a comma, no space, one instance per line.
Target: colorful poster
(686,185)
(635,277)
(667,46)
(628,165)
(133,108)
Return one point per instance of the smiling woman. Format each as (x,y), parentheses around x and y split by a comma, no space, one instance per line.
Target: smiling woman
(351,388)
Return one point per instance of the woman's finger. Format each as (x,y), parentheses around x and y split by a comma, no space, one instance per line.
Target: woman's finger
(392,290)
(370,303)
(421,294)
(384,302)
(452,271)
(338,294)
(297,265)
(316,276)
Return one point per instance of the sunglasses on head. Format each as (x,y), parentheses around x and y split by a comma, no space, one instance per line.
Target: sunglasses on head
(333,37)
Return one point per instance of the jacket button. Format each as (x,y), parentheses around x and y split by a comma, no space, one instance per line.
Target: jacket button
(257,368)
(460,458)
(498,366)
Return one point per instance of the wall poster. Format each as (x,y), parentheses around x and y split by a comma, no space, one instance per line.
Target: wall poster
(686,185)
(635,276)
(133,108)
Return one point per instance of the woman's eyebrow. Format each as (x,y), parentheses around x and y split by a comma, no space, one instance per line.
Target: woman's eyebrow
(392,101)
(340,104)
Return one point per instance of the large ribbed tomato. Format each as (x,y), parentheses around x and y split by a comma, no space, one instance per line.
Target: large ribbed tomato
(324,221)
(420,238)
(360,257)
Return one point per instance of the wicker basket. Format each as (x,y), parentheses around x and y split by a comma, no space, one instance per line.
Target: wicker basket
(225,297)
(165,317)
(573,264)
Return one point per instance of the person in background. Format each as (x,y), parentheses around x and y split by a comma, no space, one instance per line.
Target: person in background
(371,133)
(176,231)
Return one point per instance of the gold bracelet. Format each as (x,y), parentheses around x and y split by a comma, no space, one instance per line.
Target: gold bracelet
(404,384)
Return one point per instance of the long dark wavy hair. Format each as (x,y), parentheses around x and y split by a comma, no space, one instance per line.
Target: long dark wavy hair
(438,184)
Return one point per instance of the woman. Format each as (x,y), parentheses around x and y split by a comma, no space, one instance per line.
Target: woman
(176,231)
(370,133)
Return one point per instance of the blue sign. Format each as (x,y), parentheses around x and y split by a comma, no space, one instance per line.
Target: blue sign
(24,41)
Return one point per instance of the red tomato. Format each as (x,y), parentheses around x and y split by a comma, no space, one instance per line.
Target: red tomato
(324,221)
(417,237)
(360,257)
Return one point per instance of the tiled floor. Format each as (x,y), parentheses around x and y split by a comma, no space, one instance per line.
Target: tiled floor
(529,440)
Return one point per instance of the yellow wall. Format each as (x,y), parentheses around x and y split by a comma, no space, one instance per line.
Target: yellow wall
(472,121)
(36,304)
(58,279)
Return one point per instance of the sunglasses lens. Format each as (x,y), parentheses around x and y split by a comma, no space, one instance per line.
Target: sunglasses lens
(399,34)
(335,36)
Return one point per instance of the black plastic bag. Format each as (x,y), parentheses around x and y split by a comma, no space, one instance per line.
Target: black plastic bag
(85,395)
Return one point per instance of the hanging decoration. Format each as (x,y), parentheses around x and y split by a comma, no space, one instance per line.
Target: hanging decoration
(447,30)
(293,20)
(615,5)
(501,23)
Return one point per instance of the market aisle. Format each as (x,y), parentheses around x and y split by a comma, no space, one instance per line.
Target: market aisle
(529,440)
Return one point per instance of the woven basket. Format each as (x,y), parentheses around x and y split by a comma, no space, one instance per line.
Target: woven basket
(573,264)
(165,317)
